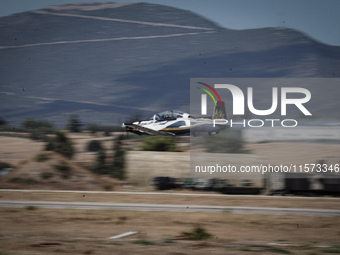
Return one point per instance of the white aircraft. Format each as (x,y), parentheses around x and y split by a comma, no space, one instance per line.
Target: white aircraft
(177,123)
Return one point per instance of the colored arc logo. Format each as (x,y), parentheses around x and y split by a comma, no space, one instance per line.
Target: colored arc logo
(208,92)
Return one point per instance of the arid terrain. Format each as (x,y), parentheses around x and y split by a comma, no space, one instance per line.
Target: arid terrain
(47,231)
(34,230)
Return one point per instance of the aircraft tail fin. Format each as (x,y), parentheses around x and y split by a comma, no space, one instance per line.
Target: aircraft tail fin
(220,111)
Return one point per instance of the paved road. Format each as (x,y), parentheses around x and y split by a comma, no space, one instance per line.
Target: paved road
(174,208)
(169,193)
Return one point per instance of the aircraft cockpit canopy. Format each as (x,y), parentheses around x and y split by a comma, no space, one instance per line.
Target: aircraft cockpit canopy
(168,115)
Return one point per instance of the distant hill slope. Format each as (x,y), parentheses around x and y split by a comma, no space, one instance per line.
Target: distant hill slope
(105,61)
(50,170)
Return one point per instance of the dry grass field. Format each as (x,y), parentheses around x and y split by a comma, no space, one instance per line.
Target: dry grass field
(47,231)
(30,172)
(16,151)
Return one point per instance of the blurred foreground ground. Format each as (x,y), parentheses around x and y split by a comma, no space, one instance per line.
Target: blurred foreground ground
(47,231)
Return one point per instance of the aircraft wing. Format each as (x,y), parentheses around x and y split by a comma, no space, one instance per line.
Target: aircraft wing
(148,130)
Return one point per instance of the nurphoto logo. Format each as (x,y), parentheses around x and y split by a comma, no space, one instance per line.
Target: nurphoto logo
(239,100)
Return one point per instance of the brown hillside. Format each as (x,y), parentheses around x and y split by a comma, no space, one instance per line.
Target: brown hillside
(49,170)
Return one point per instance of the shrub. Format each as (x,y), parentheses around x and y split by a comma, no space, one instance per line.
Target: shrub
(335,250)
(197,233)
(46,175)
(117,168)
(4,165)
(118,165)
(16,180)
(37,129)
(64,169)
(107,133)
(42,157)
(38,135)
(31,208)
(143,242)
(159,143)
(94,146)
(28,181)
(277,250)
(107,187)
(99,166)
(169,239)
(61,144)
(74,124)
(37,124)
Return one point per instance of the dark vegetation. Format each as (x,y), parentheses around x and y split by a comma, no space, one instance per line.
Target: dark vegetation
(143,242)
(94,146)
(115,166)
(198,233)
(42,157)
(4,165)
(61,144)
(39,130)
(159,143)
(34,129)
(27,181)
(64,169)
(32,124)
(74,124)
(118,165)
(99,166)
(46,175)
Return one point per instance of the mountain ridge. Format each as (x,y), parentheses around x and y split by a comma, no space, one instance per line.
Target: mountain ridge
(130,59)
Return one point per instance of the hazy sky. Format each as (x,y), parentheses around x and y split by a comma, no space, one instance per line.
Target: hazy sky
(320,19)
